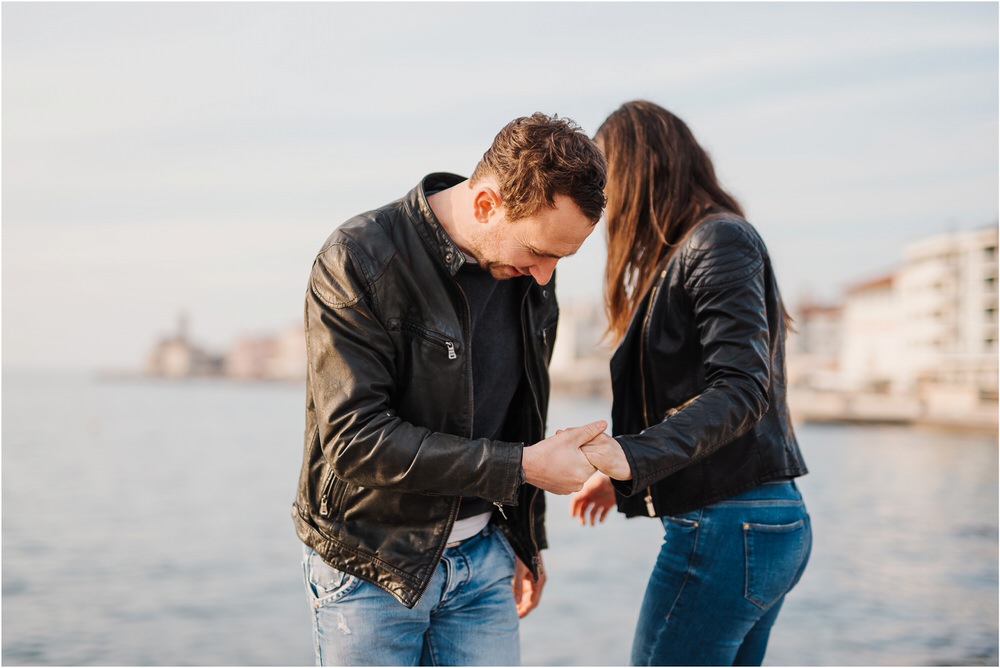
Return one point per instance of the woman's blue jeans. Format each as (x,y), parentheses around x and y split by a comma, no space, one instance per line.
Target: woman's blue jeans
(720,579)
(466,617)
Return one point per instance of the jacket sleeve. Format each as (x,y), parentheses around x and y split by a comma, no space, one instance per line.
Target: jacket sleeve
(723,269)
(352,367)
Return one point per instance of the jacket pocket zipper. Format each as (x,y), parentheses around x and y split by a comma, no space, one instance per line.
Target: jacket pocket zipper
(425,334)
(324,502)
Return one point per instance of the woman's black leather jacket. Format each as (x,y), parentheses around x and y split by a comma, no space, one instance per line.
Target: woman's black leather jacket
(389,402)
(699,377)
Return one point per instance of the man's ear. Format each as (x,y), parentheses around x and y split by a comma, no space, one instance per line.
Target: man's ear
(485,203)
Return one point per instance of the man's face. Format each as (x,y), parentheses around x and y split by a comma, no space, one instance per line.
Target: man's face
(533,245)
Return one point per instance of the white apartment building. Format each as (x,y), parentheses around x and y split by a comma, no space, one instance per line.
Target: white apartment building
(918,344)
(947,295)
(871,356)
(927,333)
(814,344)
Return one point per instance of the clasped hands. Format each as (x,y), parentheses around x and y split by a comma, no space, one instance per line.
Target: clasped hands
(563,463)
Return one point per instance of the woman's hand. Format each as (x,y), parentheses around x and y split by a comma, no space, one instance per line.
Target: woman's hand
(606,455)
(595,499)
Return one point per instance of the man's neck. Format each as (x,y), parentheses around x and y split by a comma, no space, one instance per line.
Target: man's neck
(451,207)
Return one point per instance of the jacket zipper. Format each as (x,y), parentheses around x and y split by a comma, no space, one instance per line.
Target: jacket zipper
(642,379)
(427,334)
(468,348)
(324,503)
(535,556)
(447,343)
(531,386)
(454,516)
(450,345)
(538,412)
(467,330)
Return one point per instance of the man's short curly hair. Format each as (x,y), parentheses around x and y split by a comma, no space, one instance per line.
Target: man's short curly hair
(534,158)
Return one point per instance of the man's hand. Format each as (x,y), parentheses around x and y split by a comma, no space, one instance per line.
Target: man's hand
(557,464)
(527,590)
(596,498)
(606,455)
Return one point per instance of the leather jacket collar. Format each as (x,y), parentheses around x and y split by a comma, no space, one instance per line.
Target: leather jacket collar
(427,224)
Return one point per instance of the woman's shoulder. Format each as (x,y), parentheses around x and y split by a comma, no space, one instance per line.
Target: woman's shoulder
(721,230)
(722,249)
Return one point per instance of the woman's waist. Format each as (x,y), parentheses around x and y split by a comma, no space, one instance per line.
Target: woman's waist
(781,491)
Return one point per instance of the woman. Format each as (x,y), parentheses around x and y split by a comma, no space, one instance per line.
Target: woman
(707,445)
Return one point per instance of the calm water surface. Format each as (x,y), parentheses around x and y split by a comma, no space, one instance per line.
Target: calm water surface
(148,523)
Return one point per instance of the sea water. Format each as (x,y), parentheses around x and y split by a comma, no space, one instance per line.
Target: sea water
(148,523)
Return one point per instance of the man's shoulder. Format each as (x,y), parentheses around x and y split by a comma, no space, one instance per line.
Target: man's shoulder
(372,238)
(355,254)
(369,235)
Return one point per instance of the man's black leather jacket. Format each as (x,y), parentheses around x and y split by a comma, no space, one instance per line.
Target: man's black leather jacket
(389,402)
(699,377)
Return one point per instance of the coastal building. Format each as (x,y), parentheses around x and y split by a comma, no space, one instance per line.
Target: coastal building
(813,346)
(249,357)
(871,354)
(916,345)
(948,298)
(289,361)
(280,357)
(177,357)
(266,357)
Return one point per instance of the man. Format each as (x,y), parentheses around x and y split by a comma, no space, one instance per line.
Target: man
(429,326)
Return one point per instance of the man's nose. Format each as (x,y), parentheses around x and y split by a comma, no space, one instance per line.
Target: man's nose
(542,271)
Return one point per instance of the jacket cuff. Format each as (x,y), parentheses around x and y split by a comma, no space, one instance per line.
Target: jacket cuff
(513,476)
(632,486)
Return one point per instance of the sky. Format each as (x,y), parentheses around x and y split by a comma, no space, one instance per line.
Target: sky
(160,158)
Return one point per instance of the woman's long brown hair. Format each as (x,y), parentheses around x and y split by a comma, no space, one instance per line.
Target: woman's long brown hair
(660,184)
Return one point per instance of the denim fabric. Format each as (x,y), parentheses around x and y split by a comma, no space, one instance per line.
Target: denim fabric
(721,576)
(467,616)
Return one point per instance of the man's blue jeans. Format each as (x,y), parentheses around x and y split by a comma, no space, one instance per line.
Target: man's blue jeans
(467,616)
(721,577)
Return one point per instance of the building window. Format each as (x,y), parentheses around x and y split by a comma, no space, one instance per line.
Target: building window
(991,252)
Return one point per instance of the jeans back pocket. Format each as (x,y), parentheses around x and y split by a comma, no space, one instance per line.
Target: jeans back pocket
(776,555)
